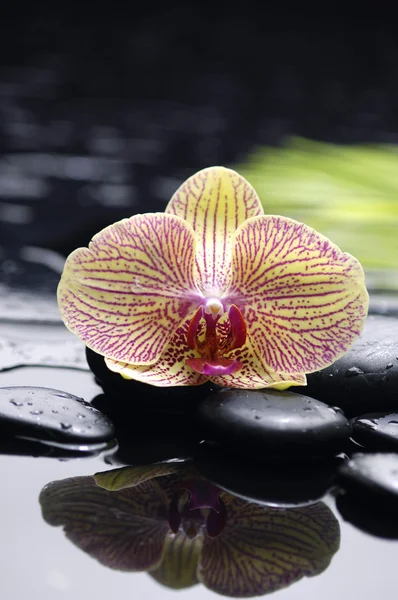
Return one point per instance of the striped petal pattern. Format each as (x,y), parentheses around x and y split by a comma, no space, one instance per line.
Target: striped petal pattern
(123,530)
(264,549)
(172,367)
(126,294)
(253,375)
(215,202)
(304,300)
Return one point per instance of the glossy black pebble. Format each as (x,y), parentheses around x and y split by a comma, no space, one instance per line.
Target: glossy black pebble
(380,521)
(269,482)
(373,478)
(377,431)
(47,414)
(123,392)
(271,423)
(365,379)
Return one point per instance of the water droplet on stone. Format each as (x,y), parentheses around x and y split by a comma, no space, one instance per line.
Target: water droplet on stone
(36,412)
(16,403)
(353,372)
(307,408)
(389,366)
(66,425)
(80,416)
(30,403)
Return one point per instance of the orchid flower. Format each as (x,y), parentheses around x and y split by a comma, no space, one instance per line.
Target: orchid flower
(214,289)
(167,520)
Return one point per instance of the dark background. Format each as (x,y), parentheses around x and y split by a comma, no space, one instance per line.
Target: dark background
(104,111)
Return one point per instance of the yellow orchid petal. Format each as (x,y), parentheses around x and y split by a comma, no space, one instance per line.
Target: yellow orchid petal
(253,374)
(178,568)
(264,549)
(215,202)
(171,368)
(125,294)
(304,301)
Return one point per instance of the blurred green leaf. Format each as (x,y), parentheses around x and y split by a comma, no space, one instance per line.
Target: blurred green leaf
(348,193)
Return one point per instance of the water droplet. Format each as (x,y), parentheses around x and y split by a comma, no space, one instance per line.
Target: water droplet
(257,417)
(353,372)
(337,409)
(36,412)
(66,425)
(307,408)
(65,407)
(54,411)
(16,403)
(389,366)
(81,416)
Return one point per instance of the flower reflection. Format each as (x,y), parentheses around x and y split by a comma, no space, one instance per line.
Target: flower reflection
(167,520)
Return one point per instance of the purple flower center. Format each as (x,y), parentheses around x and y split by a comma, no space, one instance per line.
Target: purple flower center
(196,507)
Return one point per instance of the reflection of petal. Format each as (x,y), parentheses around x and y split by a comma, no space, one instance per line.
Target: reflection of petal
(215,202)
(171,369)
(304,300)
(125,294)
(127,477)
(179,563)
(263,549)
(254,375)
(123,530)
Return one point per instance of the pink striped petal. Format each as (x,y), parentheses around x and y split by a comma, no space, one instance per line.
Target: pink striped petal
(215,202)
(126,294)
(171,369)
(304,300)
(253,375)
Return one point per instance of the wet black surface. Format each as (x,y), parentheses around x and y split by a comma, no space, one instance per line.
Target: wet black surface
(267,423)
(365,379)
(377,431)
(46,414)
(103,115)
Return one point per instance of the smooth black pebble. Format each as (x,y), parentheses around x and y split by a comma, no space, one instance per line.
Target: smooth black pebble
(282,483)
(372,479)
(124,392)
(273,423)
(376,431)
(47,414)
(365,379)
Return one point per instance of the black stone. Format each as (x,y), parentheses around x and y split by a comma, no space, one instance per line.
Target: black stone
(365,379)
(372,478)
(264,423)
(47,414)
(372,519)
(282,483)
(146,435)
(15,446)
(377,431)
(128,394)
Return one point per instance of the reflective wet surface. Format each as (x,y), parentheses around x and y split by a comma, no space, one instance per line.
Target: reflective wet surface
(157,504)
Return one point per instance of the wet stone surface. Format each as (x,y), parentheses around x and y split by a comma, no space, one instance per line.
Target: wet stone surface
(282,483)
(365,379)
(377,431)
(53,415)
(272,423)
(380,521)
(372,479)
